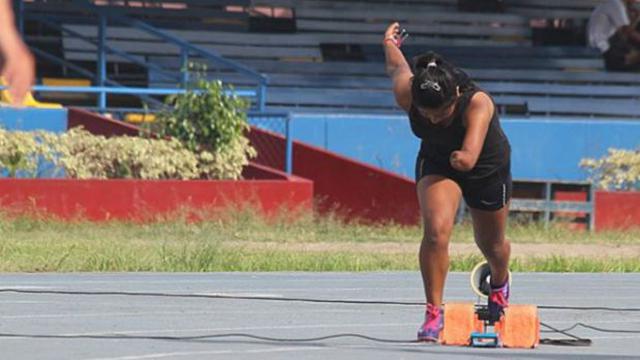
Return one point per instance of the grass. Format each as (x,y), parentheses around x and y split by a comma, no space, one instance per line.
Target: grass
(242,241)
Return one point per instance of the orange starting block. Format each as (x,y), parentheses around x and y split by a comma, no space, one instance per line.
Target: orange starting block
(468,324)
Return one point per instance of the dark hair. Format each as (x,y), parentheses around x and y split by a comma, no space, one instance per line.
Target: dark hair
(434,83)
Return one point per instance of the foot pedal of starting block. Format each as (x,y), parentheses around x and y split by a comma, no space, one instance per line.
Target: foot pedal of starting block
(483,339)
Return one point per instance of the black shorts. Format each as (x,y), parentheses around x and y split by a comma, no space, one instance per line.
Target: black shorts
(490,193)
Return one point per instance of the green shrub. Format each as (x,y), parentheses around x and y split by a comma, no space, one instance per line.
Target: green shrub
(619,170)
(212,124)
(82,155)
(20,153)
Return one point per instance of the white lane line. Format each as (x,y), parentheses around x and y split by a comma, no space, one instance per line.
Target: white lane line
(104,314)
(211,280)
(28,287)
(213,284)
(212,352)
(212,309)
(210,312)
(334,289)
(28,302)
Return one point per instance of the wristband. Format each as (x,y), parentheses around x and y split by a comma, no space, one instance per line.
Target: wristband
(394,41)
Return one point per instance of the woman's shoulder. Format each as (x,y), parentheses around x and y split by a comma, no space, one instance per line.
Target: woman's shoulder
(479,97)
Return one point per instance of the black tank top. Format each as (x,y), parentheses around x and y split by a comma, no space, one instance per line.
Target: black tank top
(438,142)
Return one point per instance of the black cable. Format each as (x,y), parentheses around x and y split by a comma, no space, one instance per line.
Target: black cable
(606,330)
(567,329)
(209,296)
(566,342)
(574,341)
(285,299)
(208,337)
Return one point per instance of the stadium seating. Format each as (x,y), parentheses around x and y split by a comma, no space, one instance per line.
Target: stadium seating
(495,49)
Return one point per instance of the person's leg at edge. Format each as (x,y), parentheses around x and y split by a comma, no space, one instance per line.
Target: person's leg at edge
(439,198)
(489,231)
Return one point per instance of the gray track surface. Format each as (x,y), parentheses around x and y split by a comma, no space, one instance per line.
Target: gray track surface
(55,326)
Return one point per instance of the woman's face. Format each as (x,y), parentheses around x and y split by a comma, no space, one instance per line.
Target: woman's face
(439,115)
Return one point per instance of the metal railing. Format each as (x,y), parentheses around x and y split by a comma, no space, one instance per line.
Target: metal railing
(546,205)
(186,50)
(276,147)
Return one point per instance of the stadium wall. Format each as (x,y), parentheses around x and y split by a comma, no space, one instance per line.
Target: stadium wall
(267,190)
(351,189)
(617,210)
(140,200)
(28,119)
(543,148)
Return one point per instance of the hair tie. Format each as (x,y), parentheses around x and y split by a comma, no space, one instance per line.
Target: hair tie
(430,84)
(432,63)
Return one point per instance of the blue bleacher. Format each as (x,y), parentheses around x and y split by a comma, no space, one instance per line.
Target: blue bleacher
(495,49)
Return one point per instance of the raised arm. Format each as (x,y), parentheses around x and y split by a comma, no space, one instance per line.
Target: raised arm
(16,62)
(397,67)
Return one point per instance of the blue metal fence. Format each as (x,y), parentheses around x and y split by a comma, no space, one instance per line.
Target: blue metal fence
(278,123)
(107,15)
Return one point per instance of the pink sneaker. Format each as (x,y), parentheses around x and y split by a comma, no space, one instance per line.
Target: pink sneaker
(430,330)
(498,301)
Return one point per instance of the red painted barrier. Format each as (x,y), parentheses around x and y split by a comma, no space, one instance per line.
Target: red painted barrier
(352,188)
(616,210)
(99,125)
(100,200)
(268,191)
(358,190)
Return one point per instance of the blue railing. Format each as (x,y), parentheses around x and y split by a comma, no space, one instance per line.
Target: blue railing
(279,123)
(82,71)
(186,49)
(276,122)
(127,90)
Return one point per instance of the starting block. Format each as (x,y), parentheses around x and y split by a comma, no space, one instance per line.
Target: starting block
(470,324)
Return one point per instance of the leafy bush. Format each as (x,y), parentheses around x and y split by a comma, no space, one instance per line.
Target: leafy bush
(82,155)
(212,124)
(619,170)
(19,153)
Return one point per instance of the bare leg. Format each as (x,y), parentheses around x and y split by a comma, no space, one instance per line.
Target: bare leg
(489,230)
(439,198)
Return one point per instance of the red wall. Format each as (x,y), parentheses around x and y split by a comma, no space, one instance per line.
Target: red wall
(617,210)
(99,125)
(359,190)
(146,199)
(352,188)
(356,189)
(268,190)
